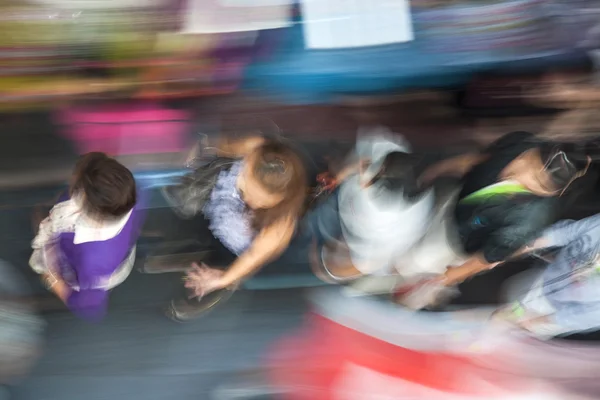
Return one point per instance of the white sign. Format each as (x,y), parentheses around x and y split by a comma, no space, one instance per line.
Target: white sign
(255,3)
(331,24)
(210,16)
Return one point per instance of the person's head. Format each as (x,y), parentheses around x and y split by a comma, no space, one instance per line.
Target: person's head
(387,167)
(397,178)
(550,168)
(104,187)
(273,183)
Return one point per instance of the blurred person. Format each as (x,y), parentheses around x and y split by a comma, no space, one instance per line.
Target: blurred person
(21,329)
(576,95)
(509,197)
(565,297)
(380,221)
(252,199)
(87,244)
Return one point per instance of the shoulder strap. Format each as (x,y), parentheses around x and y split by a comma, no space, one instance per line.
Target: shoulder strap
(194,189)
(501,188)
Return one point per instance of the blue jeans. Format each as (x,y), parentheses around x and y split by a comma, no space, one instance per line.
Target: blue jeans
(323,222)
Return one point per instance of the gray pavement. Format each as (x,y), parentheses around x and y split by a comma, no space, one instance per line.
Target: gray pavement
(137,353)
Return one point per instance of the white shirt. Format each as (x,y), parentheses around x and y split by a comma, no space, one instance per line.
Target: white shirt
(379,232)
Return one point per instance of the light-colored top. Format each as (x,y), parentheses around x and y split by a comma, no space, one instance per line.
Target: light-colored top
(379,227)
(230,220)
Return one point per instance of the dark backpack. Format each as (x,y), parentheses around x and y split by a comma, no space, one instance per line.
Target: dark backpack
(188,197)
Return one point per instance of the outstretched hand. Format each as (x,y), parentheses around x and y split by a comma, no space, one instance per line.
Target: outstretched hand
(425,293)
(202,280)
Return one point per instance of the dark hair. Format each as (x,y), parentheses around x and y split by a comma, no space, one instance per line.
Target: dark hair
(108,186)
(563,161)
(279,169)
(398,175)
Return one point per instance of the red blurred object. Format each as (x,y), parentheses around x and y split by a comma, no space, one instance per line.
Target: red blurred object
(329,359)
(334,357)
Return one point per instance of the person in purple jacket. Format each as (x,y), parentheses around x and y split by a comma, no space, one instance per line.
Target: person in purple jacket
(86,246)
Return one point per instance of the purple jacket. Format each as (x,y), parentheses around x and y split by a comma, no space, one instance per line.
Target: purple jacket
(86,265)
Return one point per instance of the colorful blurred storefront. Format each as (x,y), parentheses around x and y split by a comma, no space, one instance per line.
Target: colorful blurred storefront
(191,48)
(127,76)
(452,41)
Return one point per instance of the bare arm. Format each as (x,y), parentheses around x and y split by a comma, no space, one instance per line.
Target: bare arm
(456,166)
(475,265)
(347,171)
(538,244)
(269,244)
(225,147)
(58,287)
(238,147)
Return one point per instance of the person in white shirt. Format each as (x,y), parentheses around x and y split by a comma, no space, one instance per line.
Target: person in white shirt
(383,214)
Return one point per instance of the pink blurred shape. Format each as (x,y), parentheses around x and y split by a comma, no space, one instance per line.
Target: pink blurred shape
(126,129)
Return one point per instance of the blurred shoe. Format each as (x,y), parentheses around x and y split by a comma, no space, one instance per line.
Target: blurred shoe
(185,310)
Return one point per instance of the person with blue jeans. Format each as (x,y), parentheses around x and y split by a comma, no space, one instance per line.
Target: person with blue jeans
(565,298)
(376,216)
